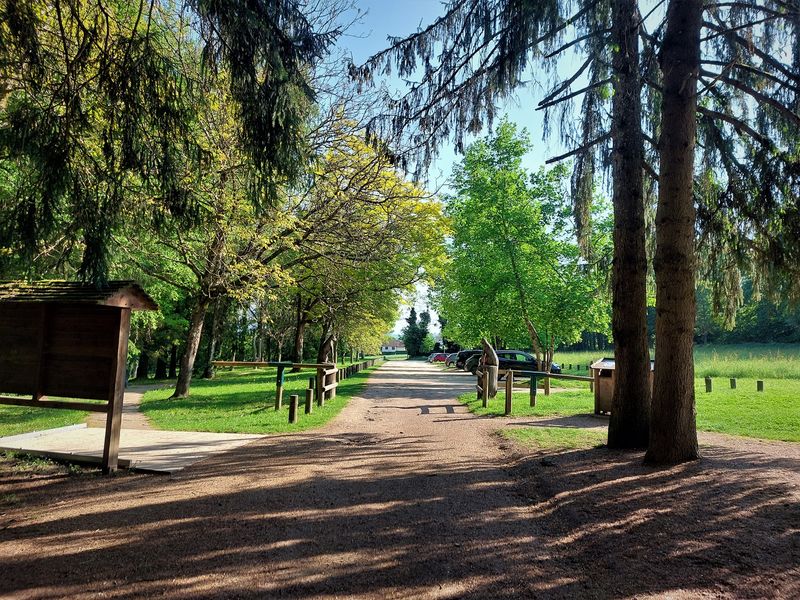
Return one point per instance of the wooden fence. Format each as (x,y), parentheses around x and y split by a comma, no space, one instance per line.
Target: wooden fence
(322,385)
(534,376)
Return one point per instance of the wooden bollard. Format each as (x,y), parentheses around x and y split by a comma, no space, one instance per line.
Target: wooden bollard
(546,386)
(759,385)
(293,401)
(309,401)
(509,391)
(279,389)
(708,384)
(485,388)
(319,387)
(733,383)
(533,391)
(570,366)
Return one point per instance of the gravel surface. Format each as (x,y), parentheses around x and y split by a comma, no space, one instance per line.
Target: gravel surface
(406,495)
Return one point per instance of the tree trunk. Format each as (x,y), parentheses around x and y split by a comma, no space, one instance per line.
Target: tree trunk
(629,424)
(143,368)
(673,431)
(299,342)
(190,353)
(213,341)
(161,368)
(173,362)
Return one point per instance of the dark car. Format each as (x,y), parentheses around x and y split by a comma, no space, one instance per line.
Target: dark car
(517,360)
(462,357)
(451,359)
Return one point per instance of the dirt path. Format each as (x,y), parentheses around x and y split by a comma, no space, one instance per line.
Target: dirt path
(132,418)
(405,495)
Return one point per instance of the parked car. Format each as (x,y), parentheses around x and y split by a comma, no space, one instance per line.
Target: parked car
(471,363)
(518,360)
(462,357)
(451,359)
(438,357)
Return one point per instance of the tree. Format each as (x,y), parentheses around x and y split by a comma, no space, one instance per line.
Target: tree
(514,273)
(97,110)
(673,433)
(412,339)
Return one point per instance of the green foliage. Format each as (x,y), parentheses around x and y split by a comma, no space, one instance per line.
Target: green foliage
(415,334)
(512,258)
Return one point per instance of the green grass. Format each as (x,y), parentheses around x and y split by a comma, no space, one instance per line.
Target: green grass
(243,401)
(773,414)
(756,361)
(22,419)
(556,438)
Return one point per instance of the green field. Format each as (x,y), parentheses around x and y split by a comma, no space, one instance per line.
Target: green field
(773,414)
(556,438)
(756,361)
(243,401)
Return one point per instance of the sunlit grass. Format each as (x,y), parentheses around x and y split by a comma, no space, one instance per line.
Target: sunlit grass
(773,414)
(243,401)
(556,438)
(22,419)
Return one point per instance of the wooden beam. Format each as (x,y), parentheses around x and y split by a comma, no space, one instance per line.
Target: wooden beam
(117,395)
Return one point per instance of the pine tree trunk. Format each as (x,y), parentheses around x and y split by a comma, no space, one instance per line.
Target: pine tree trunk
(190,353)
(629,424)
(673,432)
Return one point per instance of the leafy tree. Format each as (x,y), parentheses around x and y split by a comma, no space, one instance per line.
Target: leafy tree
(514,273)
(99,113)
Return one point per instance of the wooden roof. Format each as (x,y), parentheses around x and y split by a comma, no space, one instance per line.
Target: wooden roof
(119,293)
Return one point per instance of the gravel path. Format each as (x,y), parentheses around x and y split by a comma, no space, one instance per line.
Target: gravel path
(405,495)
(132,417)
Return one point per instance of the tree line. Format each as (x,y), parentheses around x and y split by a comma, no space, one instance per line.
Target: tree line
(217,153)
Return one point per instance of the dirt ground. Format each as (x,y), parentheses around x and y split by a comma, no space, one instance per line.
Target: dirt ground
(405,495)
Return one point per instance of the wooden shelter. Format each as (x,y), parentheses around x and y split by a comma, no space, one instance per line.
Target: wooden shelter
(68,340)
(604,373)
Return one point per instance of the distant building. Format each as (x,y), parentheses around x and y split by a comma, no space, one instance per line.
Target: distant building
(393,346)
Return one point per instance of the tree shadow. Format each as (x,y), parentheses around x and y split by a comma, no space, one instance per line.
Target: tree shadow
(305,516)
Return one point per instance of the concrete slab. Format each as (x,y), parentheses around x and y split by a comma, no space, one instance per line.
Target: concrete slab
(146,450)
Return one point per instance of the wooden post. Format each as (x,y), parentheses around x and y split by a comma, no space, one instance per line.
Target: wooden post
(114,415)
(533,391)
(309,401)
(279,389)
(708,384)
(733,383)
(485,387)
(759,386)
(546,386)
(293,402)
(509,390)
(570,366)
(320,387)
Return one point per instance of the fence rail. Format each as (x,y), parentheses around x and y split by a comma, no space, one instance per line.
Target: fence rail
(323,384)
(510,375)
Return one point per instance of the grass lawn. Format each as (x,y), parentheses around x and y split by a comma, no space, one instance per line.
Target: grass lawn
(556,438)
(773,414)
(243,401)
(22,419)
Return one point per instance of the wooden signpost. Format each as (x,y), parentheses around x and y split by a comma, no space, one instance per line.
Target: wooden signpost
(70,341)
